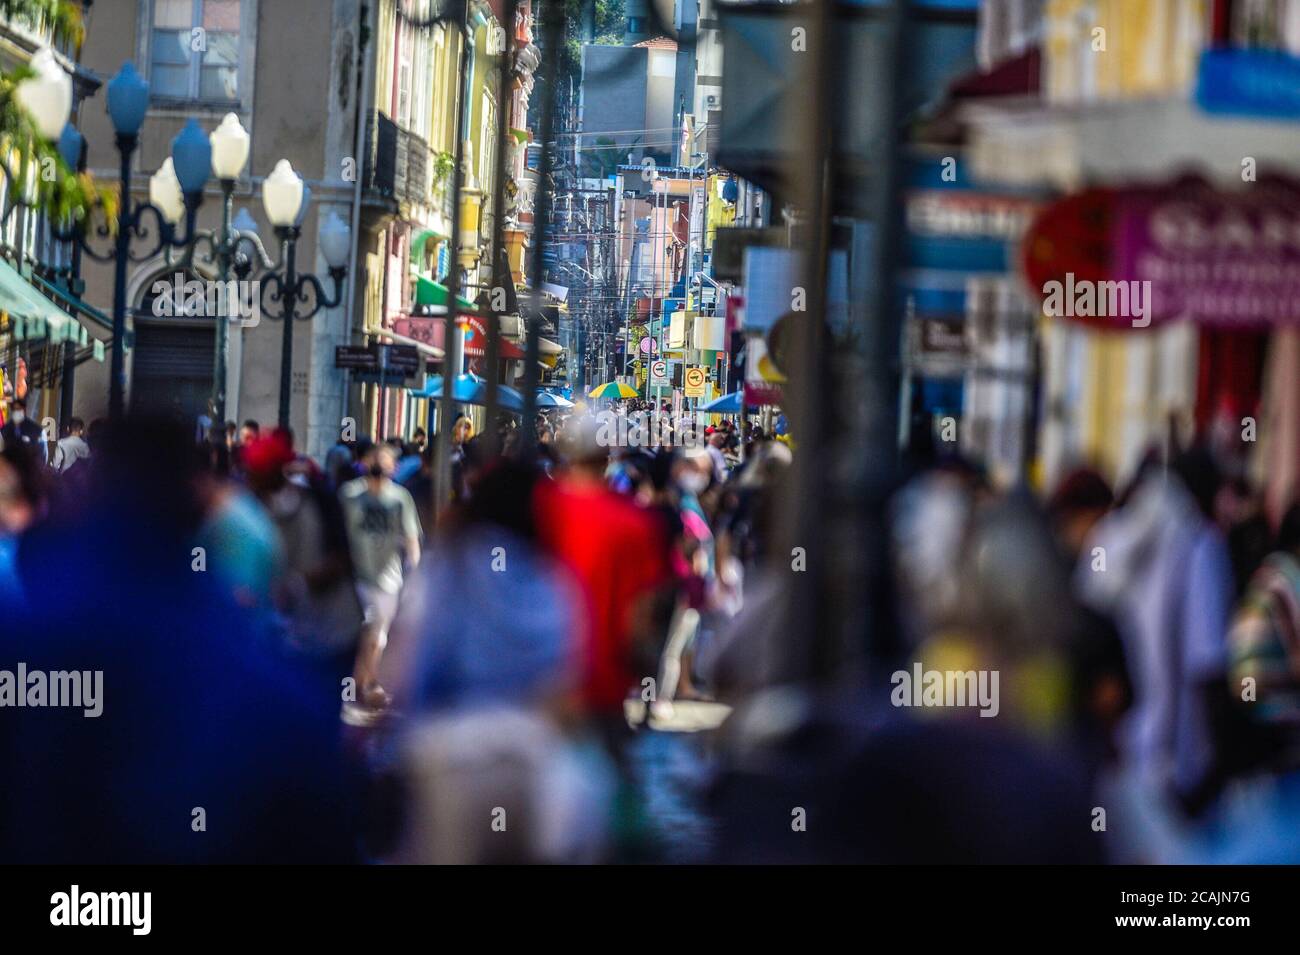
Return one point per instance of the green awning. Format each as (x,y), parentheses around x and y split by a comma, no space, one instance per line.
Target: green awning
(75,307)
(429,292)
(418,243)
(32,316)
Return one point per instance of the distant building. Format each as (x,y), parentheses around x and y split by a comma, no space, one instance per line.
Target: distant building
(632,102)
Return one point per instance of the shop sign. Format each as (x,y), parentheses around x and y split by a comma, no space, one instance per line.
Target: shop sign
(1137,256)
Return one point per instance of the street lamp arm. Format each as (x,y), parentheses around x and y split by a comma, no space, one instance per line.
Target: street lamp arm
(318,299)
(166,232)
(209,256)
(304,298)
(99,226)
(272,290)
(82,238)
(249,254)
(75,232)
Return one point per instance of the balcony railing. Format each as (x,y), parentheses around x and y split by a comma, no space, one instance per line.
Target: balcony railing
(399,164)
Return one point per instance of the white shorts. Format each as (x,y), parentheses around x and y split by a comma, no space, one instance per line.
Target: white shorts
(379,607)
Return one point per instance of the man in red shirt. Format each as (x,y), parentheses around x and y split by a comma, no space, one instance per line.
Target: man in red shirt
(617,552)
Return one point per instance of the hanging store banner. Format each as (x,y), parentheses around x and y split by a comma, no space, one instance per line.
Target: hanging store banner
(762,379)
(421,329)
(1139,256)
(431,331)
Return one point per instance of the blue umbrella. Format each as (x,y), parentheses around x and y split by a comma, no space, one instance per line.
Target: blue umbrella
(547,399)
(507,397)
(727,404)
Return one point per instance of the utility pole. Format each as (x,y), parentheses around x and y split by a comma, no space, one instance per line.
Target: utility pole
(451,338)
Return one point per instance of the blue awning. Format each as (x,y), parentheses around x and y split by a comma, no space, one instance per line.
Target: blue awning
(470,390)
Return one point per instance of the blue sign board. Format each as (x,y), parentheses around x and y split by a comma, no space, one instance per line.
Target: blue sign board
(1249,83)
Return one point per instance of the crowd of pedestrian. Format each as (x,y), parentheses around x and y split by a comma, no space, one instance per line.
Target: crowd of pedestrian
(324,663)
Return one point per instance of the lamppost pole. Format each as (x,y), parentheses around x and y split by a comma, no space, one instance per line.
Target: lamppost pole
(221,355)
(128,101)
(552,33)
(452,355)
(230,144)
(126,143)
(290,241)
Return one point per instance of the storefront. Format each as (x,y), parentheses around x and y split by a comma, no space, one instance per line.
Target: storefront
(36,340)
(1104,130)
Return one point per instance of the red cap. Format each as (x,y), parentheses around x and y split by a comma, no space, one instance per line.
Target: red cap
(267,456)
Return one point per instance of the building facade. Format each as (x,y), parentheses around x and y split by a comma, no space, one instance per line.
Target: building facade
(436,84)
(203,59)
(368,103)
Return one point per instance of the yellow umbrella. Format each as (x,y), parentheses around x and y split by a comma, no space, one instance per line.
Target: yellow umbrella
(613,389)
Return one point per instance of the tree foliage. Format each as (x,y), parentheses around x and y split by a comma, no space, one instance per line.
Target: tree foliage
(607,26)
(61,17)
(37,170)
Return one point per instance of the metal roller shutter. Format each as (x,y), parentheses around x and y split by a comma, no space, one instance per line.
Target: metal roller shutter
(171,366)
(172,351)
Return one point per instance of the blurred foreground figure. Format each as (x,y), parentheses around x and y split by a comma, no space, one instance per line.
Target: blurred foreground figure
(877,767)
(1159,566)
(207,746)
(315,591)
(19,506)
(1264,645)
(618,553)
(483,665)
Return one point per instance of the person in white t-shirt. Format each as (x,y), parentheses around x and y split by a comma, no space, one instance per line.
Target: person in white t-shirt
(384,536)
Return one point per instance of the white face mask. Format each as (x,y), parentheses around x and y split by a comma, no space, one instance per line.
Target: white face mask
(20,417)
(693,482)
